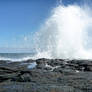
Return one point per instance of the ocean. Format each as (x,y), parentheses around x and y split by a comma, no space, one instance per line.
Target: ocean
(15,56)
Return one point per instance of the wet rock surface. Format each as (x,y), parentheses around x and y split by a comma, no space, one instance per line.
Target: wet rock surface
(46,75)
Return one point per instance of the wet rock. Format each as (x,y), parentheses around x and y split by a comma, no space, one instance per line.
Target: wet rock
(58,70)
(22,78)
(41,63)
(28,61)
(49,75)
(82,65)
(56,62)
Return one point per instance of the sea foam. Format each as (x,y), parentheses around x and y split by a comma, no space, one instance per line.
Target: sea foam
(65,34)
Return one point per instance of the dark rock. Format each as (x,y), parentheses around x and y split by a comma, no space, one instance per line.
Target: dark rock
(56,62)
(41,63)
(28,61)
(49,75)
(22,78)
(48,68)
(58,70)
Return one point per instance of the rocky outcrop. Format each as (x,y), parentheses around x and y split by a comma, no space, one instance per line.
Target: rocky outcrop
(46,75)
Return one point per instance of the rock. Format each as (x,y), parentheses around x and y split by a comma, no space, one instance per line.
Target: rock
(22,78)
(58,70)
(28,61)
(41,63)
(56,62)
(82,65)
(49,75)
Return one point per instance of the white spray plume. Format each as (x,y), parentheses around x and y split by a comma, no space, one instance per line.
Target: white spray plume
(64,34)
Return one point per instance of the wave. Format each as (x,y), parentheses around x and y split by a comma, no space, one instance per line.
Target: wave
(65,34)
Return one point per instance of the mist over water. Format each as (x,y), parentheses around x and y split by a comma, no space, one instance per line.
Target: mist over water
(65,34)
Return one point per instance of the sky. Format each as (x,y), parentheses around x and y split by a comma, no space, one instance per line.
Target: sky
(20,19)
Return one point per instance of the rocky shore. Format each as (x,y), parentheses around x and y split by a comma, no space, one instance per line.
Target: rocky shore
(46,75)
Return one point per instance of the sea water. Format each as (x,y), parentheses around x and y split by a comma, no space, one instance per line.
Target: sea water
(15,56)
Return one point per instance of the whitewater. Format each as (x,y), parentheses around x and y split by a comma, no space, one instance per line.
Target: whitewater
(64,35)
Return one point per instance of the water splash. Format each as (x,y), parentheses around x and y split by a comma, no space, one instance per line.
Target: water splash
(64,34)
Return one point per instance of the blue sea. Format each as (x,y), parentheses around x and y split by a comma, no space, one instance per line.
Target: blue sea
(15,56)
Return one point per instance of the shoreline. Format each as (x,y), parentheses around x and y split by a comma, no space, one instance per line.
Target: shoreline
(46,75)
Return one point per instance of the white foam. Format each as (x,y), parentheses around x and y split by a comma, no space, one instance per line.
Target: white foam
(32,65)
(64,34)
(14,60)
(52,68)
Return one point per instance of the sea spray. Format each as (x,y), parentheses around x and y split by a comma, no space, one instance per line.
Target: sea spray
(64,34)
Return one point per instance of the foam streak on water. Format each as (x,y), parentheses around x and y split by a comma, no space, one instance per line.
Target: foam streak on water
(64,34)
